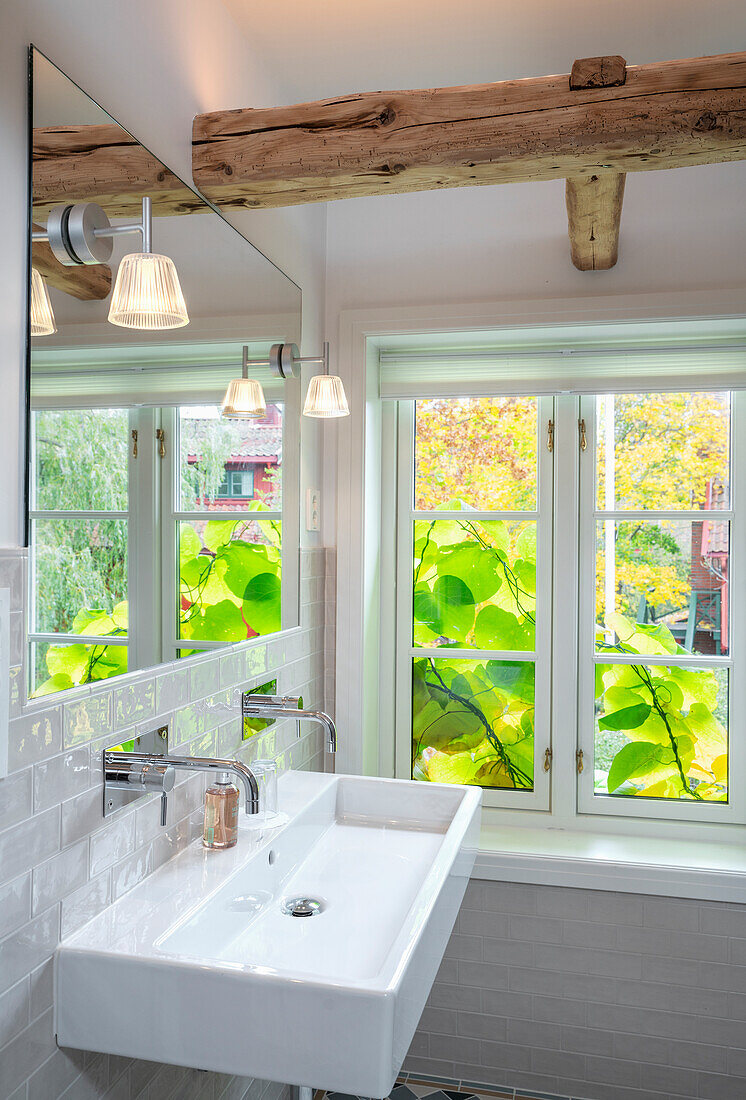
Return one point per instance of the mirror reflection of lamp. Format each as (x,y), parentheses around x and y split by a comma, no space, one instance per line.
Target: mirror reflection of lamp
(244,398)
(326,396)
(42,316)
(147,293)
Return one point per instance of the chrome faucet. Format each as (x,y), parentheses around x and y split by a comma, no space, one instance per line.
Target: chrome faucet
(254,705)
(145,772)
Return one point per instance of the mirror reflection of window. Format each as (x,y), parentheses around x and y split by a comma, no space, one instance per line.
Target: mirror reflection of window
(80,535)
(229,528)
(230,462)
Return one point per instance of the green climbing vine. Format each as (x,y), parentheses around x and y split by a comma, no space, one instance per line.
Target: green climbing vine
(661,729)
(474,586)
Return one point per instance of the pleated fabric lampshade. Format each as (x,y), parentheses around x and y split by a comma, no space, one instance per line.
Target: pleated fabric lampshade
(244,400)
(42,317)
(326,397)
(147,293)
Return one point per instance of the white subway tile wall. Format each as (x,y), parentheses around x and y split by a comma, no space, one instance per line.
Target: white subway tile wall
(61,863)
(561,992)
(590,995)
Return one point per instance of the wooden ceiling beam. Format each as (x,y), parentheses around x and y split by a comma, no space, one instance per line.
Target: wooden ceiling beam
(594,203)
(89,283)
(667,115)
(104,164)
(594,214)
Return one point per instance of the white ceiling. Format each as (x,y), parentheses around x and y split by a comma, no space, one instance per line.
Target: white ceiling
(340,46)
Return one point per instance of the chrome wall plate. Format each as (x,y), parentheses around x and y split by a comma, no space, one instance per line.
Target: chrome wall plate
(155,741)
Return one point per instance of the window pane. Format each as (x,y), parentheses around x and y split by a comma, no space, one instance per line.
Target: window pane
(663,451)
(663,584)
(229,579)
(476,453)
(474,584)
(661,732)
(473,722)
(80,575)
(80,459)
(62,666)
(225,465)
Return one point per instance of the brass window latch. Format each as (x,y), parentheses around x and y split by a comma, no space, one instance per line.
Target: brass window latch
(582,434)
(547,759)
(579,761)
(160,435)
(134,442)
(550,436)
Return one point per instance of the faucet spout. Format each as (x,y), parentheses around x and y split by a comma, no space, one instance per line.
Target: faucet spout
(254,705)
(128,770)
(244,774)
(324,719)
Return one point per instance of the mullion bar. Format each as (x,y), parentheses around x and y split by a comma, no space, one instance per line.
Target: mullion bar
(226,517)
(475,654)
(85,639)
(70,514)
(473,517)
(693,660)
(688,517)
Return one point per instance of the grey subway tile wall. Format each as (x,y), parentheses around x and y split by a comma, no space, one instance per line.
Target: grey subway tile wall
(596,996)
(61,863)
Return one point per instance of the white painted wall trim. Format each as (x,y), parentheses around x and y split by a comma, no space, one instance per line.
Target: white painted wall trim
(708,871)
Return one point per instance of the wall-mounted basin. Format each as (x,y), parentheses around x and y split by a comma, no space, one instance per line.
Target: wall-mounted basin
(304,955)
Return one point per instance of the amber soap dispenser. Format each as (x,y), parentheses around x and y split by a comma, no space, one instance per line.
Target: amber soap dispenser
(221,813)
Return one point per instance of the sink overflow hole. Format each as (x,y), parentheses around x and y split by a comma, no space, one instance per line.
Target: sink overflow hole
(271,858)
(302,907)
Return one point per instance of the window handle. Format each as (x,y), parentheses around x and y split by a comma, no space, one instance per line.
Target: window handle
(550,436)
(134,442)
(583,438)
(579,761)
(547,759)
(160,435)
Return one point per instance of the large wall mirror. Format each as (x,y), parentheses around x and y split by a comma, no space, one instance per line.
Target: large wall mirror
(157,528)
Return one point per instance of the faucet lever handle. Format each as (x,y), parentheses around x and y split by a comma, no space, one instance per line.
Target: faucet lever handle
(254,703)
(164,807)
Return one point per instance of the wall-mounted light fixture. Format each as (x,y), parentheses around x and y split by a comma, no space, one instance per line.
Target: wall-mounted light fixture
(326,397)
(244,397)
(42,317)
(147,293)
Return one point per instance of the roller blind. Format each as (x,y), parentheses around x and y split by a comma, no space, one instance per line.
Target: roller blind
(142,375)
(471,372)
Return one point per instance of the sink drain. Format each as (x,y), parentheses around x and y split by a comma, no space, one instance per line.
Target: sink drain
(302,907)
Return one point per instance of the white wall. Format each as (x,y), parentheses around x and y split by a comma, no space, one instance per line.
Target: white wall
(435,43)
(682,230)
(153,64)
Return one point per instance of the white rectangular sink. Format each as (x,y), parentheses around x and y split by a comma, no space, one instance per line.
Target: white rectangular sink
(200,964)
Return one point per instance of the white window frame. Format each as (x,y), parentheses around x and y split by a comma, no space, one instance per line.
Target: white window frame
(152,521)
(539,797)
(734,811)
(569,803)
(35,637)
(172,515)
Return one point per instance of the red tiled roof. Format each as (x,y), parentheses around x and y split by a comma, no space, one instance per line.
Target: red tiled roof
(260,440)
(257,440)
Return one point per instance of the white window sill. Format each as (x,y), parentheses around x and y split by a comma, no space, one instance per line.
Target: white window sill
(708,870)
